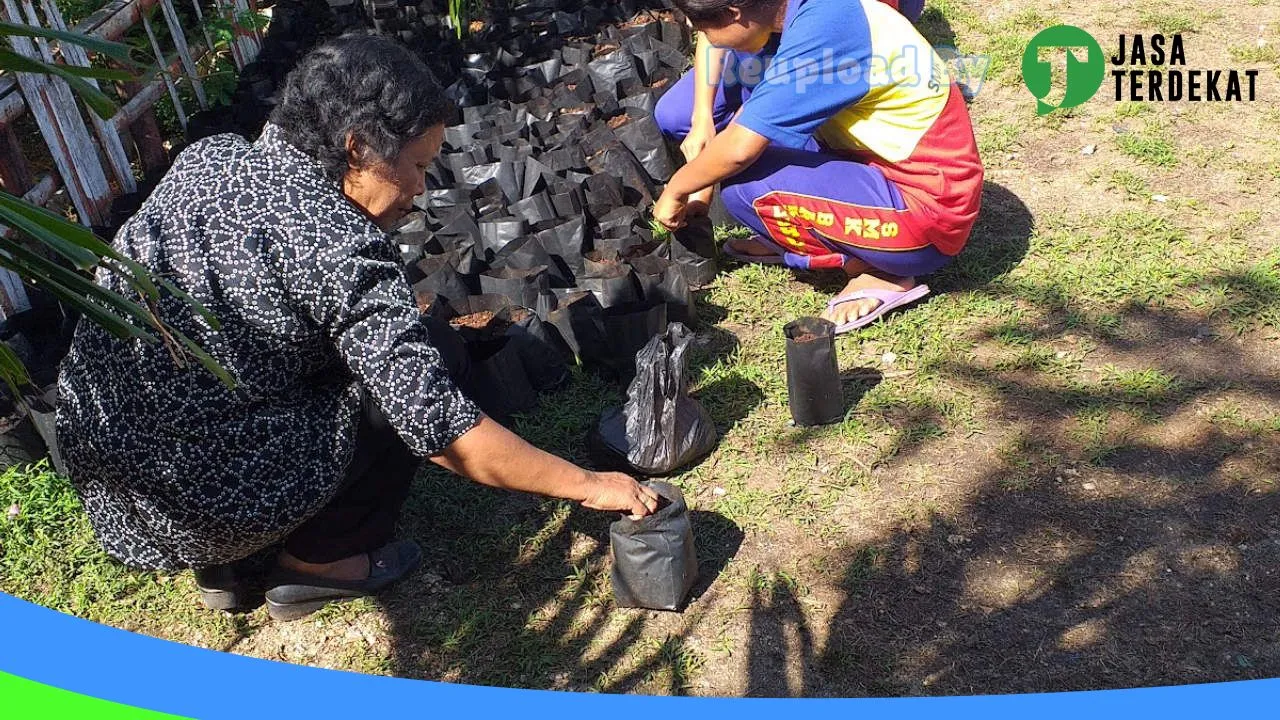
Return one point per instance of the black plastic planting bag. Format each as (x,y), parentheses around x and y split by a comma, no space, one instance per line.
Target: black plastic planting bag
(440,276)
(645,100)
(670,57)
(617,162)
(540,349)
(497,233)
(529,253)
(642,136)
(629,326)
(597,262)
(655,564)
(501,385)
(505,173)
(579,320)
(521,285)
(603,194)
(575,54)
(697,270)
(660,429)
(534,209)
(623,217)
(606,72)
(813,377)
(660,282)
(611,285)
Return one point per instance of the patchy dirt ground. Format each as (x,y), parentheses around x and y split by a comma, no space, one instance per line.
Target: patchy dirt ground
(1057,473)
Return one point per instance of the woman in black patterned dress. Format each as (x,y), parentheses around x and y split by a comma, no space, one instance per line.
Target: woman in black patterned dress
(339,392)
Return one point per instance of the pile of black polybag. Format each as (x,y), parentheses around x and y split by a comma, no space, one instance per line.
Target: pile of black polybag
(533,246)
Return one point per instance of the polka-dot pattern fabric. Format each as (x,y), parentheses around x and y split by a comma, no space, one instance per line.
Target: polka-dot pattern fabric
(177,470)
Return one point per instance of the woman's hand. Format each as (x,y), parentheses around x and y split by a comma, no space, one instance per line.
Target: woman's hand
(616,491)
(669,211)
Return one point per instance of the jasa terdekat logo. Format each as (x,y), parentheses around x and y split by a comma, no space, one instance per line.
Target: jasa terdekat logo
(1144,69)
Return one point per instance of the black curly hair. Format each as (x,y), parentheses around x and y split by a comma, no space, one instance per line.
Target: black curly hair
(365,85)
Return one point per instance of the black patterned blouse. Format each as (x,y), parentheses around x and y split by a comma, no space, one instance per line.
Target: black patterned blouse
(174,468)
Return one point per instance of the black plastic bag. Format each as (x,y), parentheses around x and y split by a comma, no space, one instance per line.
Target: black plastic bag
(541,350)
(528,253)
(534,209)
(612,286)
(813,376)
(661,282)
(505,173)
(566,198)
(660,428)
(597,262)
(563,242)
(629,326)
(576,54)
(698,271)
(603,194)
(440,276)
(670,57)
(616,161)
(521,285)
(655,563)
(623,217)
(644,99)
(413,245)
(606,104)
(501,385)
(642,136)
(607,71)
(579,320)
(497,233)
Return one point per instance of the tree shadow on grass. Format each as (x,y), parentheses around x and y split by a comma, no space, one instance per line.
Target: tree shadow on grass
(1131,539)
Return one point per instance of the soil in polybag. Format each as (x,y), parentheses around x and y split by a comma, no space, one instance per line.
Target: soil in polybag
(655,563)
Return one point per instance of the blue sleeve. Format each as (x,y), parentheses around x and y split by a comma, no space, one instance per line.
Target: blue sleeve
(822,67)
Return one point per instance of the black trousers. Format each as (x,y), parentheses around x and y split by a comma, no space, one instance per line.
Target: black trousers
(362,516)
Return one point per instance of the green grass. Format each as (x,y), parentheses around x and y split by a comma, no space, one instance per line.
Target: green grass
(1152,148)
(1170,22)
(1256,54)
(1064,337)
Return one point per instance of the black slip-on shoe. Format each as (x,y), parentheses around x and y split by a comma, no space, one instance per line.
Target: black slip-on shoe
(294,595)
(228,588)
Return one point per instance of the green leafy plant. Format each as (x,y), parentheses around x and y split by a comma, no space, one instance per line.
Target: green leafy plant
(48,236)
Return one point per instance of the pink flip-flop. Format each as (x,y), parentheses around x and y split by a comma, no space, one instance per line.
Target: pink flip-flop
(756,259)
(889,299)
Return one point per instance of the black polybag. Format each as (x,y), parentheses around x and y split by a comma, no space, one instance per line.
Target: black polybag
(642,136)
(579,320)
(534,209)
(497,233)
(644,99)
(660,428)
(660,281)
(521,285)
(528,253)
(496,377)
(655,564)
(606,72)
(612,285)
(564,242)
(603,194)
(440,276)
(629,327)
(813,376)
(540,348)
